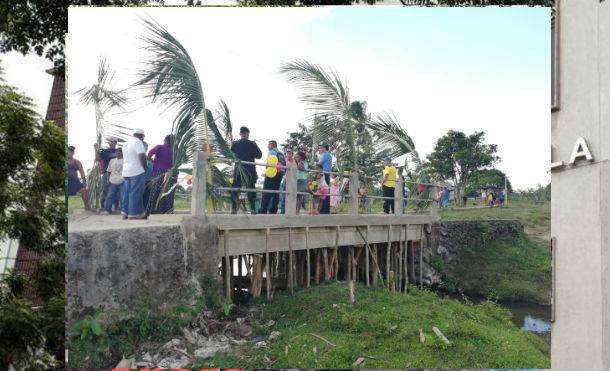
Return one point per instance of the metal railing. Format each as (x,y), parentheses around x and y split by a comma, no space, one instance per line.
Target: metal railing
(199,187)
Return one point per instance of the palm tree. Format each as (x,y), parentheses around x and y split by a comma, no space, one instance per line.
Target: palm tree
(343,120)
(329,97)
(104,99)
(170,77)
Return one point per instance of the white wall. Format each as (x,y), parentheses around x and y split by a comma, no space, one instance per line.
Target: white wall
(580,202)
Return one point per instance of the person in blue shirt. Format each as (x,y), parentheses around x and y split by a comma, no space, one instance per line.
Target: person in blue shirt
(326,163)
(269,201)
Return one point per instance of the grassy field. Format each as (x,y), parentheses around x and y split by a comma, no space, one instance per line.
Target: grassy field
(515,270)
(536,217)
(383,328)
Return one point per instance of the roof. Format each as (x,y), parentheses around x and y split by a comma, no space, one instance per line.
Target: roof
(57,102)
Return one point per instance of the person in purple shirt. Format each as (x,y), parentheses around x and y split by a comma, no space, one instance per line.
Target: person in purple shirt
(326,163)
(163,161)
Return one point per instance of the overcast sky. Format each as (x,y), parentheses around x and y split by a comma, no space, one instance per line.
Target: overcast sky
(467,69)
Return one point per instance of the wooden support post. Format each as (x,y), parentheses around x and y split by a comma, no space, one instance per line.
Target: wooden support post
(227,266)
(387,257)
(400,248)
(308,256)
(268,264)
(336,258)
(352,292)
(366,259)
(318,270)
(290,261)
(325,258)
(239,270)
(406,258)
(353,193)
(421,258)
(375,258)
(199,202)
(349,263)
(413,261)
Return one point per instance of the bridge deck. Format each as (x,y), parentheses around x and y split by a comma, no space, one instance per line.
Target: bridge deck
(247,234)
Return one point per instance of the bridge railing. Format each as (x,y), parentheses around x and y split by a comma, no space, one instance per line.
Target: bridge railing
(200,176)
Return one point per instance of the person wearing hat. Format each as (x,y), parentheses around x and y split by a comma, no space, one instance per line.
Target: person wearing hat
(245,150)
(134,168)
(115,181)
(326,163)
(388,184)
(103,157)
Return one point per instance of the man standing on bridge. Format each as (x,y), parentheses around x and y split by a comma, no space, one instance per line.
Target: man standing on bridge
(245,150)
(326,162)
(134,167)
(388,185)
(273,179)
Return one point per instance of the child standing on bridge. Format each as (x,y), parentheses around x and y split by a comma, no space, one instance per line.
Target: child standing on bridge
(320,193)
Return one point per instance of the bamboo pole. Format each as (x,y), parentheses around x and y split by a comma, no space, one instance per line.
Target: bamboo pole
(227,267)
(290,260)
(400,247)
(268,264)
(421,258)
(366,258)
(387,257)
(374,256)
(308,256)
(336,260)
(325,260)
(349,263)
(406,259)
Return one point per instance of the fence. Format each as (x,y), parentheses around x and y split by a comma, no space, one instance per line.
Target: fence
(200,175)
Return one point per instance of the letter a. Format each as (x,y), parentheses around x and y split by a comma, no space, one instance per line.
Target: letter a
(580,150)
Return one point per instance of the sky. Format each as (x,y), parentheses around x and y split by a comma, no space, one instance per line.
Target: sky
(435,69)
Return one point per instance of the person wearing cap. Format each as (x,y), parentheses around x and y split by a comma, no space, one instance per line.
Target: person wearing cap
(388,184)
(103,157)
(134,168)
(326,162)
(245,150)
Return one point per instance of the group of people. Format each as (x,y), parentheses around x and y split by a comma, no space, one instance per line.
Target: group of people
(493,198)
(325,186)
(324,190)
(132,177)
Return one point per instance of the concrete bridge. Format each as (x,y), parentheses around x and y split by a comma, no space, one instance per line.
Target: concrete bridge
(110,261)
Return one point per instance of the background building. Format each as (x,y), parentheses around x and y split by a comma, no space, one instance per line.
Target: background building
(580,205)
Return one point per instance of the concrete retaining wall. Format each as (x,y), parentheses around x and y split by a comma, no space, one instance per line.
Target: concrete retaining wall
(119,268)
(449,238)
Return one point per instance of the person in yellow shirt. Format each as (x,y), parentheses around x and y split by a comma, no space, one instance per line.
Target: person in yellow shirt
(387,184)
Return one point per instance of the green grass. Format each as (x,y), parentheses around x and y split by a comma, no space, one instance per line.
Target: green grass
(384,328)
(514,269)
(75,203)
(122,334)
(535,217)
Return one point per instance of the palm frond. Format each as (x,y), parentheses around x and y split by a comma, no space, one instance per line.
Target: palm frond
(320,90)
(389,135)
(170,77)
(224,120)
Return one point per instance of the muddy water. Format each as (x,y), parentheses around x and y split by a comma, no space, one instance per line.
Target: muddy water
(531,318)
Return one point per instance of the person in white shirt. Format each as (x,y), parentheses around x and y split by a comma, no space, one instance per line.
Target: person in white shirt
(134,167)
(115,181)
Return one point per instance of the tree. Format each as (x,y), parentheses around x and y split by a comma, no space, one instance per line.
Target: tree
(170,77)
(40,26)
(486,177)
(32,197)
(342,123)
(103,98)
(457,156)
